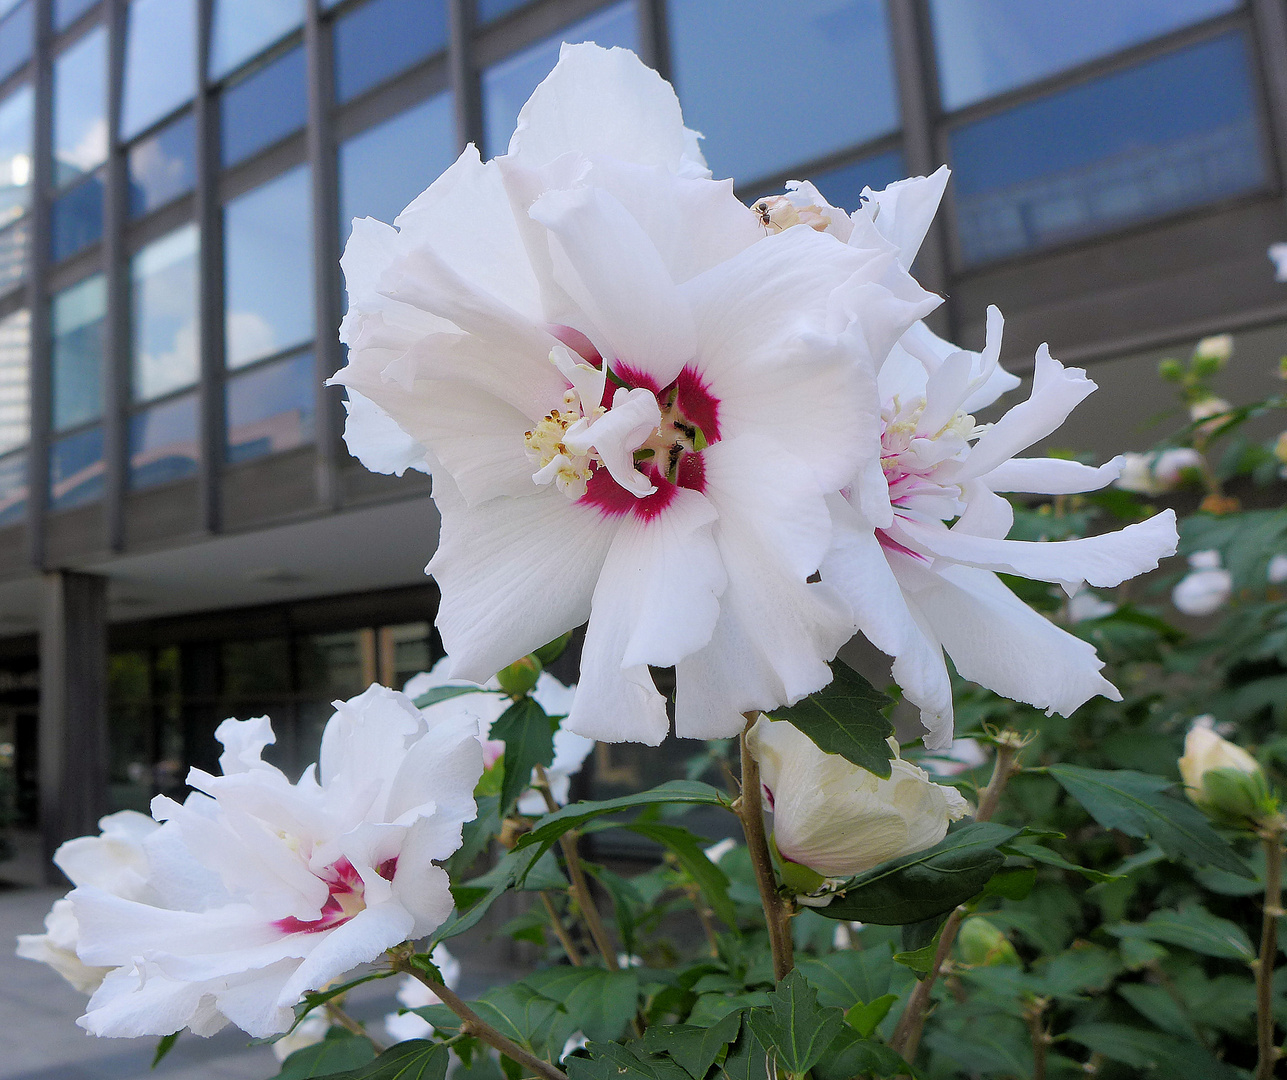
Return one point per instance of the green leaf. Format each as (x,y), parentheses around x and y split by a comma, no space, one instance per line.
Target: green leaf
(1193,927)
(443,693)
(511,871)
(1152,1050)
(710,878)
(528,735)
(328,1057)
(919,960)
(1156,1004)
(845,718)
(918,887)
(518,1012)
(851,1055)
(417,1059)
(865,1017)
(849,976)
(694,1048)
(1030,849)
(314,998)
(164,1046)
(475,835)
(602,1003)
(610,1061)
(747,1059)
(1136,804)
(549,828)
(1011,883)
(798,1029)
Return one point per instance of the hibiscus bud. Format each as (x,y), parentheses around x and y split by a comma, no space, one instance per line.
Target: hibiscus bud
(1211,409)
(1206,588)
(551,651)
(984,945)
(1218,347)
(1276,572)
(1171,465)
(1137,475)
(1280,448)
(1222,779)
(520,677)
(838,819)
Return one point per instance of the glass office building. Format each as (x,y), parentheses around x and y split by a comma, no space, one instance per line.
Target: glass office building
(182,534)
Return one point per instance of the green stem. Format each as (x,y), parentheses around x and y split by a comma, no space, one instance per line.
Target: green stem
(475,1025)
(750,810)
(907,1035)
(1272,837)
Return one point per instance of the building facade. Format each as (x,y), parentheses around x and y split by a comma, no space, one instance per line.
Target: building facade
(182,534)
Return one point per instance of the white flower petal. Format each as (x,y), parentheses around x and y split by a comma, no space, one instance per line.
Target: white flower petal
(374,438)
(904,211)
(1052,476)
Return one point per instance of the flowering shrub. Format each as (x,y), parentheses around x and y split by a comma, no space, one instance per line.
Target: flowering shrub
(722,438)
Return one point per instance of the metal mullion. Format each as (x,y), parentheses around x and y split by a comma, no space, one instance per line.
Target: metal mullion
(1270,21)
(116,367)
(917,102)
(462,73)
(654,42)
(327,356)
(210,288)
(37,293)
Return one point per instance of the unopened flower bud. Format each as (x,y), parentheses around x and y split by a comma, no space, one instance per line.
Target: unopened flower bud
(1211,409)
(1171,465)
(1222,779)
(1218,347)
(1280,448)
(838,819)
(551,651)
(1206,588)
(1276,571)
(984,945)
(520,677)
(1137,475)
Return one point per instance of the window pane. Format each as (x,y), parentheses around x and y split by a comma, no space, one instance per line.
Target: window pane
(7,6)
(15,155)
(163,166)
(241,29)
(508,84)
(265,108)
(1174,132)
(385,167)
(80,108)
(160,61)
(14,242)
(842,186)
(772,90)
(163,443)
(164,293)
(987,46)
(67,12)
(494,9)
(271,408)
(383,37)
(15,352)
(331,665)
(17,34)
(76,471)
(77,219)
(79,318)
(268,269)
(13,489)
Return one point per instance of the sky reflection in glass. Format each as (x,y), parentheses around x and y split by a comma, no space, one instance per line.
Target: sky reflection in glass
(163,280)
(163,166)
(1177,131)
(160,61)
(268,269)
(271,408)
(76,219)
(163,443)
(15,154)
(385,167)
(13,489)
(76,471)
(509,83)
(242,29)
(383,37)
(987,46)
(80,108)
(264,107)
(771,89)
(79,316)
(17,36)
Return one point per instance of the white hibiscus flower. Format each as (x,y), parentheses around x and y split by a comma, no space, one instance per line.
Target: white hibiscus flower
(260,890)
(634,398)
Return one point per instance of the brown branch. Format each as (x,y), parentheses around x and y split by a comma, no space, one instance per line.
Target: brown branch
(1268,1054)
(580,886)
(777,914)
(336,1015)
(907,1035)
(560,931)
(475,1025)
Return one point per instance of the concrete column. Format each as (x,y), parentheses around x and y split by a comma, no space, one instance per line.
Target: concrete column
(73,708)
